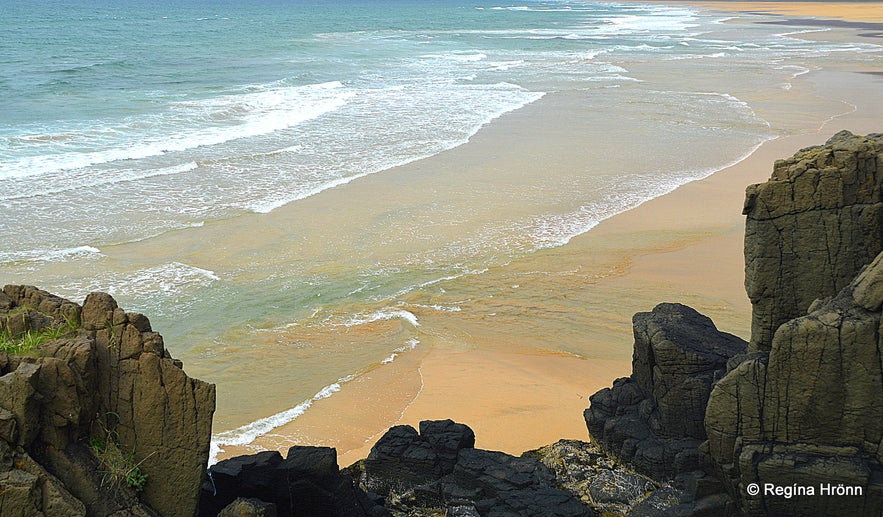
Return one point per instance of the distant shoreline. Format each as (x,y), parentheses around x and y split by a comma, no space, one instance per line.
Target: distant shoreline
(860,14)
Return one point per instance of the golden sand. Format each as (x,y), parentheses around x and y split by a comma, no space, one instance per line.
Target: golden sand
(848,11)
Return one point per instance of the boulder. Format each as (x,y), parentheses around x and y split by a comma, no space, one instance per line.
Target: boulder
(597,480)
(307,483)
(401,460)
(811,228)
(653,420)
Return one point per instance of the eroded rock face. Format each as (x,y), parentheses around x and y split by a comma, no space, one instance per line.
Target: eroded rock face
(800,416)
(653,419)
(811,228)
(810,411)
(110,375)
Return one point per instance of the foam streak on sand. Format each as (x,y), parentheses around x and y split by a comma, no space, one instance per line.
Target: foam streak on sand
(512,98)
(410,345)
(246,434)
(558,230)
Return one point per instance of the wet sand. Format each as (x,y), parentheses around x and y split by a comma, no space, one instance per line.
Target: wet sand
(682,247)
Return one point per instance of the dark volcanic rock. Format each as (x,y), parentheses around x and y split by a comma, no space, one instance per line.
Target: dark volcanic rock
(802,412)
(447,438)
(809,412)
(811,228)
(307,483)
(400,460)
(107,377)
(653,419)
(500,484)
(438,471)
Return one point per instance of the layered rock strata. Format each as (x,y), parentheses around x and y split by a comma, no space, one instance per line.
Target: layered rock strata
(106,378)
(652,420)
(811,228)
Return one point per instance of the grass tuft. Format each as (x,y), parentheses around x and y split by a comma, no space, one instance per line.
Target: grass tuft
(29,342)
(118,468)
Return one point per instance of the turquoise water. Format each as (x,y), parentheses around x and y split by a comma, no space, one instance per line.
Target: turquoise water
(122,123)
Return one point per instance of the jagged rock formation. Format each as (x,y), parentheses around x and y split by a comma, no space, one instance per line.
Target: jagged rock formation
(439,472)
(795,427)
(809,412)
(811,228)
(652,420)
(307,483)
(103,377)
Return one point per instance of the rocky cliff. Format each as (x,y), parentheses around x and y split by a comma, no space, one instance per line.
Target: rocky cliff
(811,228)
(809,413)
(96,418)
(653,419)
(795,426)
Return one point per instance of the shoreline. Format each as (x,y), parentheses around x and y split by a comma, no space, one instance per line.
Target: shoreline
(696,255)
(716,253)
(684,246)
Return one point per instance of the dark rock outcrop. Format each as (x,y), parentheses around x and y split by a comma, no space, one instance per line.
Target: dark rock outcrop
(809,412)
(795,427)
(403,458)
(598,480)
(307,483)
(652,420)
(811,228)
(439,470)
(103,376)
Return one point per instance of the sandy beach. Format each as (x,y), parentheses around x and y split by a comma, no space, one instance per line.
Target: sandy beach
(683,247)
(864,12)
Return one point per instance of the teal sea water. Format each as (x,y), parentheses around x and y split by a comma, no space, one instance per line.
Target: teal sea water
(122,122)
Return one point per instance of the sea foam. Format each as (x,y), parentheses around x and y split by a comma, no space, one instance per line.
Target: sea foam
(179,126)
(49,254)
(246,434)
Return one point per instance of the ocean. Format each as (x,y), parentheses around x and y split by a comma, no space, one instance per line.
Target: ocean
(267,180)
